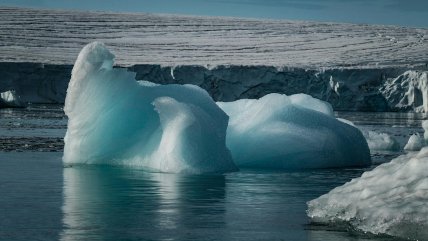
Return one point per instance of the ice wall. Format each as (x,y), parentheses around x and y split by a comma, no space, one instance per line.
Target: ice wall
(291,132)
(114,119)
(391,199)
(344,89)
(408,91)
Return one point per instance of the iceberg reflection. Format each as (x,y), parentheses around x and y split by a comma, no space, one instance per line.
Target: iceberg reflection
(107,203)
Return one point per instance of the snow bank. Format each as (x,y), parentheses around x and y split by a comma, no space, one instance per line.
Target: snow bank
(381,141)
(291,132)
(114,119)
(415,143)
(391,199)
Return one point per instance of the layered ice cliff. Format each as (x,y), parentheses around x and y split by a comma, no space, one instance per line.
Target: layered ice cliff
(391,199)
(114,119)
(353,67)
(291,132)
(408,91)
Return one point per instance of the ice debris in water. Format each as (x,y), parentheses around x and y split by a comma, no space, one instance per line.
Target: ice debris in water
(113,119)
(391,199)
(379,141)
(415,143)
(291,132)
(10,99)
(425,126)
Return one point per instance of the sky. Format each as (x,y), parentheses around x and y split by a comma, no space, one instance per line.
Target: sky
(412,13)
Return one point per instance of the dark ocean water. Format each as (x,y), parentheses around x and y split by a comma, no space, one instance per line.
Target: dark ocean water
(40,199)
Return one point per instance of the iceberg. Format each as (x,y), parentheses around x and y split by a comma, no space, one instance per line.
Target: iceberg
(115,120)
(291,132)
(391,199)
(379,141)
(425,127)
(11,99)
(415,143)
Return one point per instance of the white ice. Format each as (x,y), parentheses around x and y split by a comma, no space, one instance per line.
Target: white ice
(408,91)
(10,99)
(114,119)
(379,141)
(415,143)
(391,199)
(291,132)
(425,126)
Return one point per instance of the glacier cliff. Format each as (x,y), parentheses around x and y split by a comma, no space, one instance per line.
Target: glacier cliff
(354,67)
(376,89)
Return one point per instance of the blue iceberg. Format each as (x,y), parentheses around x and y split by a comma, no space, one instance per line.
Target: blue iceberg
(291,132)
(114,119)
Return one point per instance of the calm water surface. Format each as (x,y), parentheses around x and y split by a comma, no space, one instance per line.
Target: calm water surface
(40,199)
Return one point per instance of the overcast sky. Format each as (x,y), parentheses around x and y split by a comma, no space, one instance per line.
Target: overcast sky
(396,12)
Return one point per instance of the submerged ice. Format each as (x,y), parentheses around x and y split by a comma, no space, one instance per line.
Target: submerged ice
(291,132)
(114,119)
(391,199)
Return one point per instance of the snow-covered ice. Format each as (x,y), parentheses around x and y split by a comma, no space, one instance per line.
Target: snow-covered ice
(291,132)
(139,38)
(408,91)
(354,67)
(391,199)
(114,119)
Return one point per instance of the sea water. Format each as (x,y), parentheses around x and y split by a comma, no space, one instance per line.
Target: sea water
(40,199)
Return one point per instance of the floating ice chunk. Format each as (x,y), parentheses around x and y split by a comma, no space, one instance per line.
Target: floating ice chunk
(377,141)
(381,141)
(10,99)
(415,143)
(391,199)
(114,119)
(425,126)
(296,132)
